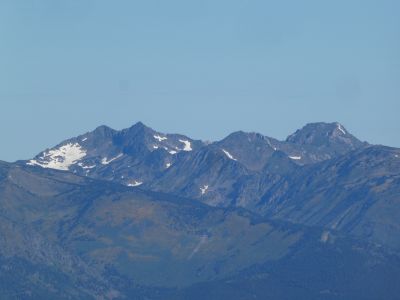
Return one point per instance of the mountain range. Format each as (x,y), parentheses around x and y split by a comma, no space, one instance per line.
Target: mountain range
(140,214)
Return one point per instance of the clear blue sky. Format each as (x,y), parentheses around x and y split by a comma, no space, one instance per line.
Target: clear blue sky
(202,68)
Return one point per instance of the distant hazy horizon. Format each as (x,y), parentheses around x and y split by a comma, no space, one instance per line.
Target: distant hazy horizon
(203,69)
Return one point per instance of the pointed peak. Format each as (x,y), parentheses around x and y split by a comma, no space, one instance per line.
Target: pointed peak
(138,127)
(322,133)
(139,124)
(103,130)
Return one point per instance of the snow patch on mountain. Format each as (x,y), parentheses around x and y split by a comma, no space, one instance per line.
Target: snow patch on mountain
(340,128)
(160,138)
(228,154)
(295,157)
(135,183)
(106,161)
(204,189)
(324,236)
(60,158)
(188,145)
(86,167)
(89,167)
(202,241)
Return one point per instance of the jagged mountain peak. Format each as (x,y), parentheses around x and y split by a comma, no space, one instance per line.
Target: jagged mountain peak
(103,129)
(139,124)
(138,127)
(96,136)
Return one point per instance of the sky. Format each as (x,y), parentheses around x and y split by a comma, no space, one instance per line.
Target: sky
(201,68)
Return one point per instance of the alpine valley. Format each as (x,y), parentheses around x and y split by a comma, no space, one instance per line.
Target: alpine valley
(140,214)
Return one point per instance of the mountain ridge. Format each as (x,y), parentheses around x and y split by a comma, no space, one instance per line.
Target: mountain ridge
(114,214)
(213,173)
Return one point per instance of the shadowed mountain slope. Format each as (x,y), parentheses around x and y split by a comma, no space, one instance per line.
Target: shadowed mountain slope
(67,236)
